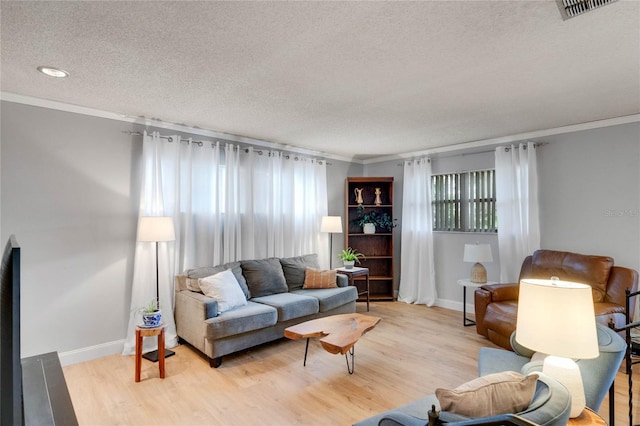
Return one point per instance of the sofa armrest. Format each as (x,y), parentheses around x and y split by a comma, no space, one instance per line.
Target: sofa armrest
(342,280)
(196,305)
(500,292)
(621,279)
(490,293)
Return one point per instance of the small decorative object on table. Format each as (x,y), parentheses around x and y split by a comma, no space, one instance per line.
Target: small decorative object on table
(349,257)
(151,314)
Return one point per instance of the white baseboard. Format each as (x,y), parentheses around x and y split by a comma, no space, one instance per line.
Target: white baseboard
(454,305)
(91,352)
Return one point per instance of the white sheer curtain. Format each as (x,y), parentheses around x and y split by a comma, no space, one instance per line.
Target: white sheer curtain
(417,281)
(517,207)
(285,199)
(227,205)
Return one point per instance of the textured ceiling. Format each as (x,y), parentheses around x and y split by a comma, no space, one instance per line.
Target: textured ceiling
(356,79)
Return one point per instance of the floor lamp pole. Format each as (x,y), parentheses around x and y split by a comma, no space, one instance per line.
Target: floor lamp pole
(330,250)
(153,355)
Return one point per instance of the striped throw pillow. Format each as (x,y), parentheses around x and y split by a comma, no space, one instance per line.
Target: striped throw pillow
(317,278)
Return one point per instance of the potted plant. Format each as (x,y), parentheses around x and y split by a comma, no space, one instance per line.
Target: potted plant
(151,314)
(370,220)
(349,257)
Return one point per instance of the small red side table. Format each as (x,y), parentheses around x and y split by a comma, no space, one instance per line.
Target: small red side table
(142,332)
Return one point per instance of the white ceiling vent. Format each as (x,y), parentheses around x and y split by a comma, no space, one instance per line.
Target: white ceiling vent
(573,8)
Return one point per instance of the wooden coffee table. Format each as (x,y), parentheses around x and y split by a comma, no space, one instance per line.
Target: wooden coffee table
(338,334)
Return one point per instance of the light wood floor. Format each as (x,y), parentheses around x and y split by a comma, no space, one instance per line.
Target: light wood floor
(412,351)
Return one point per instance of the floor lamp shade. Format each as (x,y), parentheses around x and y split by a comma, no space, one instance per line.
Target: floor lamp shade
(331,224)
(557,318)
(478,253)
(156,228)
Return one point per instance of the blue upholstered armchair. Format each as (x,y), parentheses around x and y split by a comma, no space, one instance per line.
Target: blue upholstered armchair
(597,374)
(550,406)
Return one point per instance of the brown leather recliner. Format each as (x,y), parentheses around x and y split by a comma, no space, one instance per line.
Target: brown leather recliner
(496,305)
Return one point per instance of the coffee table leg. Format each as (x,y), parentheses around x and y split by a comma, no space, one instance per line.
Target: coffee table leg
(351,367)
(306,349)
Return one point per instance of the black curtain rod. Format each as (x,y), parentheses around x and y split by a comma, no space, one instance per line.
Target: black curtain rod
(236,147)
(506,147)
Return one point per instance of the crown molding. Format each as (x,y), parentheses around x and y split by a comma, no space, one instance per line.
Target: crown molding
(149,122)
(483,143)
(492,142)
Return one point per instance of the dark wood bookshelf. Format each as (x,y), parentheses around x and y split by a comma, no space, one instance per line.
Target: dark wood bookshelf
(378,247)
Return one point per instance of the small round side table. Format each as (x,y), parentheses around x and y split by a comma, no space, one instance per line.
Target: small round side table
(587,417)
(468,283)
(142,332)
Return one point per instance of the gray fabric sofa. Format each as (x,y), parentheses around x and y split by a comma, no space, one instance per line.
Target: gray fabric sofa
(276,300)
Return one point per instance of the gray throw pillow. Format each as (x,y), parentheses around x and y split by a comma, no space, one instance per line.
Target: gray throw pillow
(264,276)
(294,267)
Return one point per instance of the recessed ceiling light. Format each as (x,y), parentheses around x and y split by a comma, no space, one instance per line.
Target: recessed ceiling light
(53,72)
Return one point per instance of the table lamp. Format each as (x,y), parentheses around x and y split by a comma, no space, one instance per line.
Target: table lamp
(478,253)
(557,318)
(156,229)
(332,225)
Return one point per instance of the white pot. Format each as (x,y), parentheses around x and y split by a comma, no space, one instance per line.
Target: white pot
(348,264)
(369,228)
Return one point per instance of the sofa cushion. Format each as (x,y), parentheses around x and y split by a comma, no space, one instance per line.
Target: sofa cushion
(194,274)
(252,316)
(507,392)
(317,278)
(264,276)
(581,268)
(290,306)
(224,288)
(331,298)
(294,269)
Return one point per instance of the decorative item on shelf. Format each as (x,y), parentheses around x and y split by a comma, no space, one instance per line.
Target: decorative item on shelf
(151,314)
(544,310)
(156,229)
(358,193)
(349,257)
(331,225)
(378,201)
(370,220)
(369,228)
(477,253)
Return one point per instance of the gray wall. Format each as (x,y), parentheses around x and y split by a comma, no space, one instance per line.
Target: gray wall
(69,187)
(69,194)
(589,202)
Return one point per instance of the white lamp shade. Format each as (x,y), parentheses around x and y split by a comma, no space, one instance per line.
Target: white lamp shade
(331,224)
(557,318)
(156,228)
(477,253)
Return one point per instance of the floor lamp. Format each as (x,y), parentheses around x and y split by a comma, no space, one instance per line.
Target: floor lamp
(332,225)
(156,229)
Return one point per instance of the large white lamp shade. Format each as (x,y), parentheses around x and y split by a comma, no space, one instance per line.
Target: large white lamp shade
(331,224)
(557,318)
(156,228)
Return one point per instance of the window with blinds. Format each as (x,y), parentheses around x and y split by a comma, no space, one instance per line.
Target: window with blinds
(464,202)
